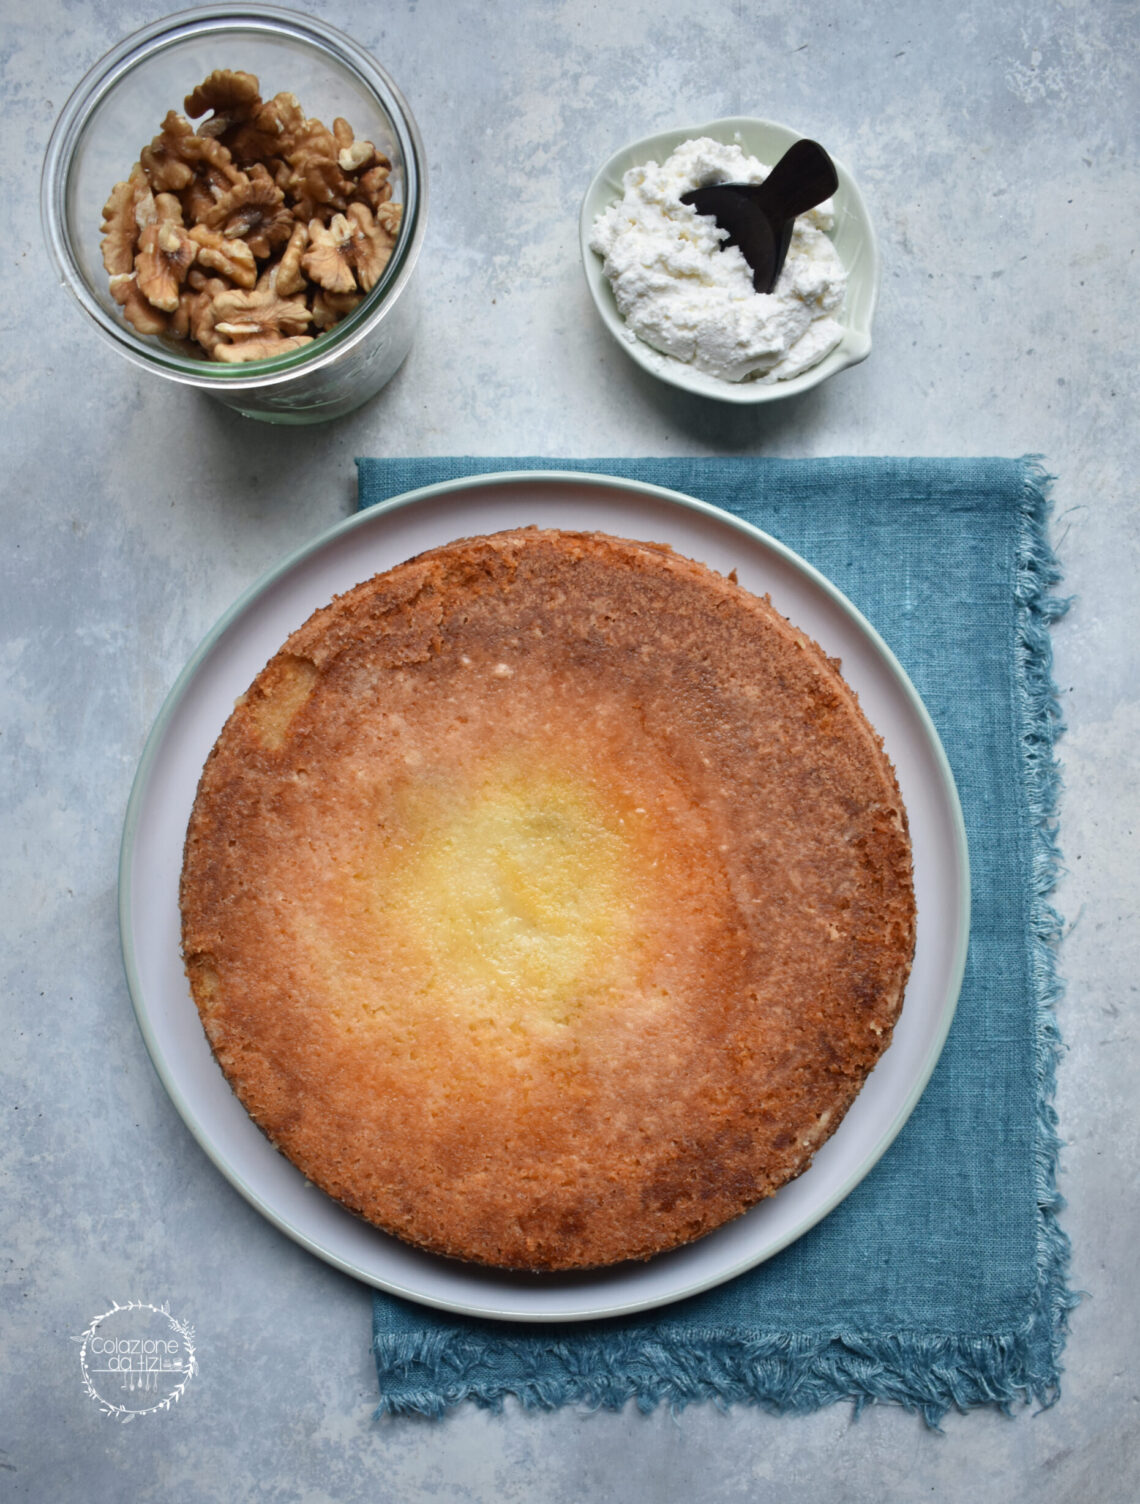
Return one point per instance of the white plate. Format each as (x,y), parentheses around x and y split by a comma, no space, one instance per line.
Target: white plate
(239,647)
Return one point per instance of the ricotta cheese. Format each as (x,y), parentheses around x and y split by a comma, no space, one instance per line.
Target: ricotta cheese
(680,293)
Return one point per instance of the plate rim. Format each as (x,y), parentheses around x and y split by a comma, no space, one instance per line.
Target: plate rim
(514,479)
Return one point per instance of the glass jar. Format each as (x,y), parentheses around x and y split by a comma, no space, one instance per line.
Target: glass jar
(116,111)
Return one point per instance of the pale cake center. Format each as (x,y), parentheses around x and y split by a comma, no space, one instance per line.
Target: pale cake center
(515,898)
(517,890)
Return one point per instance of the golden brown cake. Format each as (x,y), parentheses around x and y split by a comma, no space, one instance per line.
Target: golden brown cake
(547,900)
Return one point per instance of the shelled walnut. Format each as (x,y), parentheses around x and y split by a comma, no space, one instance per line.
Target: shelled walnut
(254,231)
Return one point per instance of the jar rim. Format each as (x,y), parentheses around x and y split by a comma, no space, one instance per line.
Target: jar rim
(149,41)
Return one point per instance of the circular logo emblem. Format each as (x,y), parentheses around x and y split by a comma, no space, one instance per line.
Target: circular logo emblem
(136,1359)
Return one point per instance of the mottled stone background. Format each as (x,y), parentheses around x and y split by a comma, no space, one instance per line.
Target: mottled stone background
(996,145)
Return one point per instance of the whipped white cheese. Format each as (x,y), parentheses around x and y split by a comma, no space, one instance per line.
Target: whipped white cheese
(679,292)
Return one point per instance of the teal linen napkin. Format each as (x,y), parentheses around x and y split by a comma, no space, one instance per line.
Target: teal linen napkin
(941,1280)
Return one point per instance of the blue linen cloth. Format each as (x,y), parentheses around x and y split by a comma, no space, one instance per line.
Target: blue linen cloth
(941,1280)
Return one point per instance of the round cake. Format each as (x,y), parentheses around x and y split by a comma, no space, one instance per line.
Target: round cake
(547,900)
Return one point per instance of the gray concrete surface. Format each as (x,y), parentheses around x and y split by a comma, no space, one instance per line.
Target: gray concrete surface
(996,144)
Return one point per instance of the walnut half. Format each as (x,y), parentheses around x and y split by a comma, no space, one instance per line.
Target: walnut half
(165,254)
(352,252)
(260,349)
(258,317)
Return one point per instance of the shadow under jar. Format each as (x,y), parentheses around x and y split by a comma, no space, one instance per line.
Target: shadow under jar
(119,107)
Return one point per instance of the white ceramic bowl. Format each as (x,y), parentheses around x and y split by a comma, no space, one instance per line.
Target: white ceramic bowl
(853,236)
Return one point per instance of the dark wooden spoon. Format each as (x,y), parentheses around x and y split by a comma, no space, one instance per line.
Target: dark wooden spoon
(759,216)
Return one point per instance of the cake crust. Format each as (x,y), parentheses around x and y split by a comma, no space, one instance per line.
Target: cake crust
(547,900)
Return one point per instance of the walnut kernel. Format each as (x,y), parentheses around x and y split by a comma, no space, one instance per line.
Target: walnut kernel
(330,307)
(288,274)
(120,226)
(259,314)
(373,187)
(254,211)
(136,309)
(374,240)
(261,349)
(235,96)
(165,254)
(231,257)
(331,256)
(166,167)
